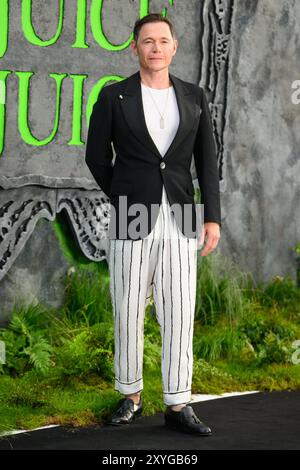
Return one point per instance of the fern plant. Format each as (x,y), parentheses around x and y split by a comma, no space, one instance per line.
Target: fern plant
(26,341)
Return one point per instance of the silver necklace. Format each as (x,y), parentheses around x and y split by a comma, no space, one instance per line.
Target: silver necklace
(161,121)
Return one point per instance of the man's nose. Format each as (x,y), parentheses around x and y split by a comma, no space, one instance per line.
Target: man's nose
(156,48)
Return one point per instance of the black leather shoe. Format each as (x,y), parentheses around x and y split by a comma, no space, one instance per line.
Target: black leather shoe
(125,413)
(185,420)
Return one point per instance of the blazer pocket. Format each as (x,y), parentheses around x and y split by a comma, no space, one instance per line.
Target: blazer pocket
(198,110)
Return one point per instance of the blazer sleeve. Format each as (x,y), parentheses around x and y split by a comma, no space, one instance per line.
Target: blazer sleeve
(99,153)
(205,157)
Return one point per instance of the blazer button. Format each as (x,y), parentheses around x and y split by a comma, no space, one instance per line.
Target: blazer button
(162,165)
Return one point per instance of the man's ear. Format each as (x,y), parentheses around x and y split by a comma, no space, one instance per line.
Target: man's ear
(133,46)
(176,46)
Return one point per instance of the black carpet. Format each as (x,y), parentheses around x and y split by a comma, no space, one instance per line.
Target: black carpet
(265,420)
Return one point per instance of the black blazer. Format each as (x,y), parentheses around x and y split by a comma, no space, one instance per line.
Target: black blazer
(118,117)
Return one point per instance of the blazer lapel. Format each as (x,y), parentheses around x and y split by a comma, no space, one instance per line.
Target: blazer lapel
(132,107)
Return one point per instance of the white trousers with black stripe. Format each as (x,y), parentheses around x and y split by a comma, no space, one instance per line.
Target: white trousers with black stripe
(163,263)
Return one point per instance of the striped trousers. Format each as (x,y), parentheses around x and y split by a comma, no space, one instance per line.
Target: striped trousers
(163,264)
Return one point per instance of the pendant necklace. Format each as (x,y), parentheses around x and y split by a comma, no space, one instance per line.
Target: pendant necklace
(161,121)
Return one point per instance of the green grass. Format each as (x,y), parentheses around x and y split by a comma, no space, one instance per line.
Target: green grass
(59,363)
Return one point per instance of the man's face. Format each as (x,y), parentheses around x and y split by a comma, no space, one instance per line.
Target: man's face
(155,46)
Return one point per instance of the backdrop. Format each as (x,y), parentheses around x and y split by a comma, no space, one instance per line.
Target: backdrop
(55,56)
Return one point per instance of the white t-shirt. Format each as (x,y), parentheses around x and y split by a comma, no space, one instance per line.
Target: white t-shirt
(161,137)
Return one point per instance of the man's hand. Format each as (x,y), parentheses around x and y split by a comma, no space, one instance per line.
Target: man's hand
(211,235)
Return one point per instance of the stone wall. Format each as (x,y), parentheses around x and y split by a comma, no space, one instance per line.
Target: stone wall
(244,53)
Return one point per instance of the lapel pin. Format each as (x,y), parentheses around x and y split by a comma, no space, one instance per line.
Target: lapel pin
(121,96)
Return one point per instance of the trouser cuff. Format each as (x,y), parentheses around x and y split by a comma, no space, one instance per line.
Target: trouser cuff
(130,387)
(177,398)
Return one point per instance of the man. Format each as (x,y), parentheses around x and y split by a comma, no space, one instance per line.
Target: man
(156,121)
